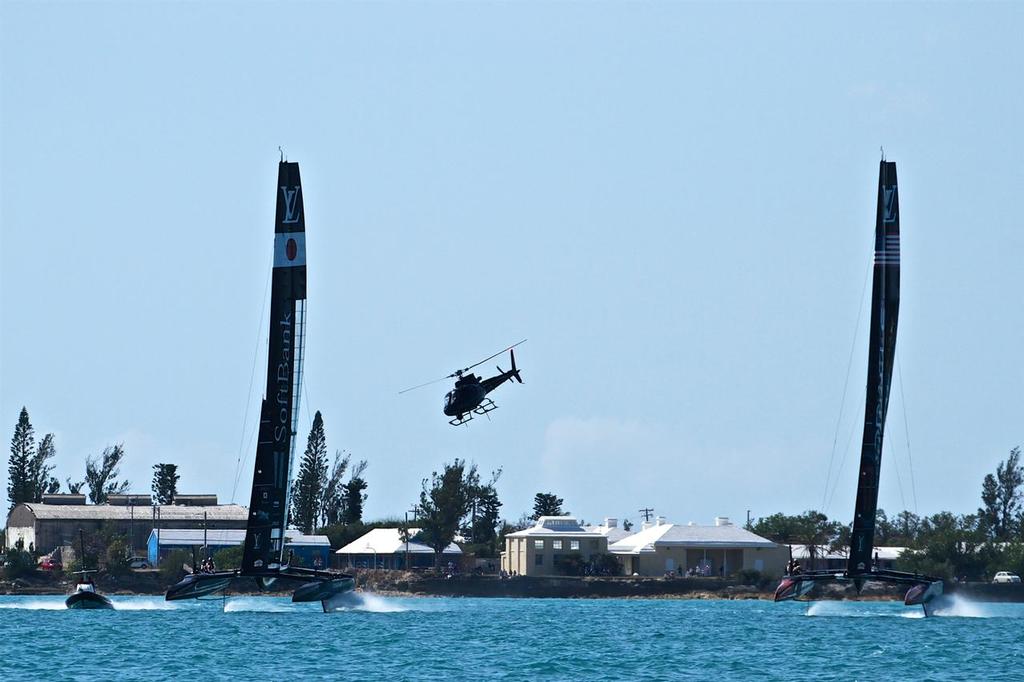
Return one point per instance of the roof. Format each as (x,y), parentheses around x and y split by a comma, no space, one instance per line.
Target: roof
(613,533)
(234,536)
(389,541)
(803,553)
(167,512)
(676,535)
(554,525)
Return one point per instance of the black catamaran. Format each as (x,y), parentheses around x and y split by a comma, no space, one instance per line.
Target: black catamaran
(885,302)
(263,555)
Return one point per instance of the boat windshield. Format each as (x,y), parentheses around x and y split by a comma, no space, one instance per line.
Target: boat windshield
(86,587)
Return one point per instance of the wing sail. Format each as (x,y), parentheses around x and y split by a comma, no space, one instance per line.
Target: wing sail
(885,304)
(271,484)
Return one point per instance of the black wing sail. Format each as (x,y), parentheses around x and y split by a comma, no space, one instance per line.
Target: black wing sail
(268,506)
(263,552)
(885,305)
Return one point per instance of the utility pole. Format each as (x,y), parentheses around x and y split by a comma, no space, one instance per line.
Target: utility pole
(646,513)
(748,519)
(413,510)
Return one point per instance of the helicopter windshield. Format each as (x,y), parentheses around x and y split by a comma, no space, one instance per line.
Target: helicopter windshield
(448,398)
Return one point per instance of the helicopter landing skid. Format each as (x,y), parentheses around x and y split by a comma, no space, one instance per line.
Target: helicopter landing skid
(483,408)
(486,406)
(461,419)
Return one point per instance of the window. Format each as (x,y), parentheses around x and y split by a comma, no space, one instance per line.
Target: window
(538,559)
(538,544)
(574,544)
(556,544)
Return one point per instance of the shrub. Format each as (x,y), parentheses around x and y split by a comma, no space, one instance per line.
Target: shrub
(170,567)
(228,558)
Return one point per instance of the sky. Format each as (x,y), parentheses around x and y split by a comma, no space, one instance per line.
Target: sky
(673,202)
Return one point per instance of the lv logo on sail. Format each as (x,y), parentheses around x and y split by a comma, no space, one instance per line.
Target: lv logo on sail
(291,206)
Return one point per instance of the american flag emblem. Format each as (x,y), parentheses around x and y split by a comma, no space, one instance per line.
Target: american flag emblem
(889,254)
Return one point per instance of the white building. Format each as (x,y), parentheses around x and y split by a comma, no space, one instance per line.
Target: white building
(547,545)
(611,530)
(384,548)
(718,550)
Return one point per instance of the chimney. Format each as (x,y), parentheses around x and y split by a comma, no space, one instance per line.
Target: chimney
(722,521)
(645,525)
(659,521)
(611,523)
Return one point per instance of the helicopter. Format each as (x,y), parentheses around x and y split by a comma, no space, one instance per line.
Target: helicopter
(469,396)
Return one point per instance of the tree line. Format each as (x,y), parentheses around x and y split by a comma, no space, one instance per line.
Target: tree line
(30,471)
(971,546)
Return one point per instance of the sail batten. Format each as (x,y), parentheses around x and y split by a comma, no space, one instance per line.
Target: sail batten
(885,300)
(268,506)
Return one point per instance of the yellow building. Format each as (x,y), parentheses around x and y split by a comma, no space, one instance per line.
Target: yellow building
(542,548)
(720,550)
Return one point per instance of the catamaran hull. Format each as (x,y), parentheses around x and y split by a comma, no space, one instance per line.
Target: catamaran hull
(87,600)
(323,591)
(792,588)
(927,595)
(199,585)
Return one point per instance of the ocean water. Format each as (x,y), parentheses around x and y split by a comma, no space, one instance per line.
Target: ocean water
(268,638)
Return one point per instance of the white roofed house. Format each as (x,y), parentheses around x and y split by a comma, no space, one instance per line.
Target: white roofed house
(720,550)
(384,548)
(611,530)
(551,543)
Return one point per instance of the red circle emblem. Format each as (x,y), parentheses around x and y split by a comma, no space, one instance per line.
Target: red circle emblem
(290,249)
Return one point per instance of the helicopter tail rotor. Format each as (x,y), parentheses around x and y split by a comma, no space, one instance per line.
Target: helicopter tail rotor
(515,372)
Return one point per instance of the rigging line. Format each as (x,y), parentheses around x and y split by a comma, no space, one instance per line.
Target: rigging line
(906,431)
(252,379)
(899,479)
(846,383)
(842,461)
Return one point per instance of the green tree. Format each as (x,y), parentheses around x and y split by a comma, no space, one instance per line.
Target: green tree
(101,474)
(43,481)
(547,504)
(353,494)
(228,558)
(444,501)
(812,528)
(165,483)
(308,489)
(482,527)
(1001,497)
(948,545)
(20,483)
(333,500)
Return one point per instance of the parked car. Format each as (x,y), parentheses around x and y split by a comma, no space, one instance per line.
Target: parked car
(138,562)
(1006,577)
(48,564)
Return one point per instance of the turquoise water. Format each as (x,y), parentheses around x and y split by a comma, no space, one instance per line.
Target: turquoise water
(268,638)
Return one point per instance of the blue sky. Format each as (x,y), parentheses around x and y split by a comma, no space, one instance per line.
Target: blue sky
(673,202)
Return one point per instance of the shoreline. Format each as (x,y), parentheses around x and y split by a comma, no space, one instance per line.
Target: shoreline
(406,585)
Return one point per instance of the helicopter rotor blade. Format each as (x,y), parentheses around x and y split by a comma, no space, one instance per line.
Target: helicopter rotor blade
(428,383)
(503,350)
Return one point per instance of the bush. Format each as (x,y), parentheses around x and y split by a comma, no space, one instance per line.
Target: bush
(606,564)
(570,564)
(17,563)
(170,567)
(748,576)
(229,558)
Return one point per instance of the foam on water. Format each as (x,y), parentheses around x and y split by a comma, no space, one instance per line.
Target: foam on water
(143,604)
(36,605)
(372,603)
(257,605)
(955,606)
